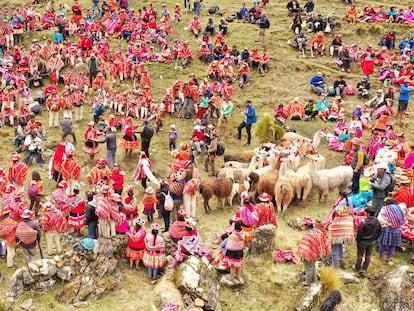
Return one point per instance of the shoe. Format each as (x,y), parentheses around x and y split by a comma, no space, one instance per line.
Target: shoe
(389,261)
(355,269)
(306,284)
(363,273)
(342,69)
(246,144)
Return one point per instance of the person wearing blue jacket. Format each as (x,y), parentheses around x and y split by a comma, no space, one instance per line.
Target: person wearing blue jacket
(248,121)
(403,100)
(317,83)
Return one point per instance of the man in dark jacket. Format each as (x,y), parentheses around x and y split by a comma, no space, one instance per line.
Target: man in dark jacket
(379,184)
(368,232)
(264,24)
(111,145)
(146,135)
(91,218)
(161,194)
(29,250)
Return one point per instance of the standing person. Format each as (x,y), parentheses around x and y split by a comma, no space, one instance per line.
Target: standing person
(391,218)
(103,211)
(177,228)
(367,66)
(226,112)
(93,65)
(66,125)
(313,246)
(53,223)
(172,137)
(265,210)
(99,175)
(91,219)
(17,172)
(403,100)
(357,164)
(143,171)
(342,231)
(146,135)
(211,155)
(368,232)
(130,209)
(8,228)
(264,24)
(149,202)
(35,192)
(28,233)
(70,170)
(77,207)
(190,192)
(130,141)
(154,256)
(111,146)
(161,195)
(249,120)
(234,255)
(249,217)
(117,179)
(379,184)
(91,146)
(136,243)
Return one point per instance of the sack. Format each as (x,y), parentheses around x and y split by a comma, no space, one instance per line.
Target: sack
(229,19)
(331,91)
(220,149)
(177,188)
(86,243)
(147,132)
(187,114)
(366,159)
(25,233)
(391,186)
(338,62)
(349,90)
(168,202)
(33,190)
(214,10)
(266,24)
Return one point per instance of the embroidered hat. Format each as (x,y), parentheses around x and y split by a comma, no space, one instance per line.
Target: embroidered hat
(27,214)
(63,184)
(182,213)
(149,190)
(265,197)
(155,226)
(244,195)
(48,206)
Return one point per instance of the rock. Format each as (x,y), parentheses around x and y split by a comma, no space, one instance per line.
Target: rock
(16,284)
(65,273)
(194,309)
(33,267)
(347,277)
(187,278)
(10,304)
(165,291)
(263,239)
(81,304)
(395,289)
(199,302)
(27,304)
(308,301)
(52,262)
(44,286)
(27,278)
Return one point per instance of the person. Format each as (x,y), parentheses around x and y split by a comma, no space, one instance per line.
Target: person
(172,137)
(149,202)
(265,210)
(367,66)
(248,121)
(161,194)
(146,135)
(111,146)
(91,146)
(17,172)
(154,256)
(91,219)
(77,205)
(403,100)
(66,126)
(357,164)
(336,45)
(99,175)
(28,234)
(379,183)
(340,86)
(313,246)
(234,252)
(264,24)
(129,140)
(391,218)
(226,112)
(8,228)
(318,44)
(368,233)
(33,144)
(211,155)
(136,243)
(143,171)
(341,228)
(317,83)
(198,138)
(35,192)
(53,223)
(190,191)
(249,217)
(295,109)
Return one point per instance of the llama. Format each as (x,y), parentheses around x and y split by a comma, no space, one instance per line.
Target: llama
(221,187)
(304,182)
(283,190)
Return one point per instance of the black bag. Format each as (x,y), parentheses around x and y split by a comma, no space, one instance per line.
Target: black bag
(220,149)
(147,132)
(187,114)
(214,10)
(391,186)
(229,19)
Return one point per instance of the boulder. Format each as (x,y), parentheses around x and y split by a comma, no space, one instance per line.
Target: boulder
(16,285)
(65,273)
(81,304)
(44,286)
(263,239)
(27,304)
(395,289)
(308,301)
(347,277)
(165,292)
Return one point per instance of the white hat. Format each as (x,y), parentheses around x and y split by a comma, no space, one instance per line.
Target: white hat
(296,99)
(381,165)
(172,126)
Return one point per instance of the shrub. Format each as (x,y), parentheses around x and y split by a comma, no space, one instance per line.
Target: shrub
(330,279)
(267,131)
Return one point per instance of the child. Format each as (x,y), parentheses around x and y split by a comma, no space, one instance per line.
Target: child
(158,119)
(35,191)
(172,137)
(149,202)
(136,243)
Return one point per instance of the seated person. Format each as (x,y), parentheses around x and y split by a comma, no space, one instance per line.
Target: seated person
(318,44)
(35,79)
(340,86)
(336,45)
(195,26)
(363,87)
(210,28)
(295,109)
(224,27)
(293,7)
(317,83)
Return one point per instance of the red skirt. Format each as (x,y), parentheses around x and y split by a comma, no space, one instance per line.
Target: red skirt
(91,148)
(134,254)
(129,143)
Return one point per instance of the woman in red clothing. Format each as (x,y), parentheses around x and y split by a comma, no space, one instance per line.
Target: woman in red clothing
(91,146)
(117,178)
(129,141)
(136,243)
(77,207)
(367,65)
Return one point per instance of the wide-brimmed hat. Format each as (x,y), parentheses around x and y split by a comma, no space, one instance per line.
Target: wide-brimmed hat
(16,157)
(105,189)
(130,189)
(155,226)
(404,180)
(244,195)
(27,214)
(369,171)
(308,221)
(140,222)
(265,197)
(48,206)
(356,141)
(101,161)
(190,223)
(149,190)
(381,165)
(63,184)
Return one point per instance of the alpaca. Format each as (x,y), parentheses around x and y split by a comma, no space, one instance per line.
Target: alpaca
(305,144)
(283,190)
(221,187)
(267,182)
(304,182)
(241,174)
(237,189)
(329,179)
(235,164)
(235,158)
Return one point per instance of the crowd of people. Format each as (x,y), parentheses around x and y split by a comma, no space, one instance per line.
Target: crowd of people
(85,69)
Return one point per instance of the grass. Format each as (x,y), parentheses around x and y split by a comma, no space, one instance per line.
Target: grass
(270,285)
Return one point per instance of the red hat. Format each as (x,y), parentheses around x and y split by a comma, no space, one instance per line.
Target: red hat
(130,189)
(101,161)
(236,218)
(105,189)
(308,220)
(27,214)
(155,226)
(265,197)
(10,188)
(16,157)
(244,195)
(47,206)
(19,195)
(63,184)
(182,213)
(6,210)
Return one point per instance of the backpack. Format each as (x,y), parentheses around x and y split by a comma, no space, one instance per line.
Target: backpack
(33,190)
(349,90)
(168,202)
(147,132)
(187,114)
(266,23)
(220,149)
(366,159)
(25,233)
(391,186)
(331,91)
(214,10)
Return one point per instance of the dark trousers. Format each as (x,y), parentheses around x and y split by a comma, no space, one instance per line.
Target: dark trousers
(145,143)
(364,249)
(166,217)
(377,204)
(355,182)
(248,130)
(92,229)
(71,134)
(144,182)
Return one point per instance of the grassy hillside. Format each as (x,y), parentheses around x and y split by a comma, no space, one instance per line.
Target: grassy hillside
(269,285)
